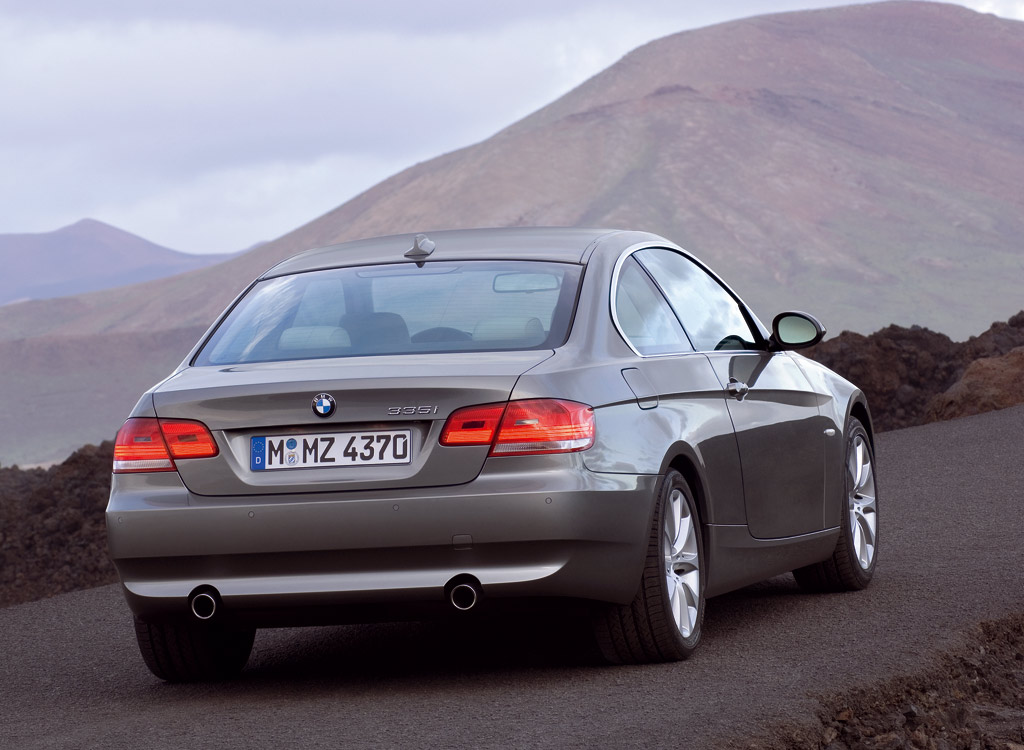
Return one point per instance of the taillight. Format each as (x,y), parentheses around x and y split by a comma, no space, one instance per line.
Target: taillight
(188,439)
(140,447)
(149,444)
(523,427)
(544,426)
(474,425)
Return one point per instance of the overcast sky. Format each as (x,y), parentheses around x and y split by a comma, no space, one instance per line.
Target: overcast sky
(211,125)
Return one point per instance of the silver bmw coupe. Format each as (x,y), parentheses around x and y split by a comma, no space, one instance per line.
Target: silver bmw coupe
(482,419)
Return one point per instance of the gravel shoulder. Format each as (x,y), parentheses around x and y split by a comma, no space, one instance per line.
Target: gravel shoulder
(773,658)
(973,697)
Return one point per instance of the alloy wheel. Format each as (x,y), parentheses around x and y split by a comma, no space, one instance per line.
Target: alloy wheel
(862,503)
(682,562)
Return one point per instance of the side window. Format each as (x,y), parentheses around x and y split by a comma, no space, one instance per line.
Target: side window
(711,316)
(644,316)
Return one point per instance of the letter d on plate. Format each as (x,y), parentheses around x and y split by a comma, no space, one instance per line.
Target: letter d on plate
(258,454)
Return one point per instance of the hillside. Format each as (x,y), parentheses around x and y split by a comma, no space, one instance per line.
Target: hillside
(83,257)
(913,376)
(862,163)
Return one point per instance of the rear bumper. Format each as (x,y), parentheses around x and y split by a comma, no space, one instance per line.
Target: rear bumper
(549,529)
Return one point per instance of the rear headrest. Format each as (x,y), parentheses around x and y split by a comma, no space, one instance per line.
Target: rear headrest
(509,329)
(313,337)
(369,329)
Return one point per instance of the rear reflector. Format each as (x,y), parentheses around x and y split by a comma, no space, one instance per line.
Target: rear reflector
(148,444)
(523,427)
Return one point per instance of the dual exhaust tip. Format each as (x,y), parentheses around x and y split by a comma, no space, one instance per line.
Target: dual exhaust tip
(463,595)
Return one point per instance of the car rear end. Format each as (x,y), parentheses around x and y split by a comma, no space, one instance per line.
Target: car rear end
(349,439)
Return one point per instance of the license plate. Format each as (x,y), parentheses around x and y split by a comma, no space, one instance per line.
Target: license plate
(334,449)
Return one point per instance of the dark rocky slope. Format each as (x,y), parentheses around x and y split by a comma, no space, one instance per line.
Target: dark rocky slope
(52,534)
(972,697)
(912,375)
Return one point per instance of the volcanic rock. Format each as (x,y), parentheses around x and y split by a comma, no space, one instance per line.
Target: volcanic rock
(988,384)
(902,370)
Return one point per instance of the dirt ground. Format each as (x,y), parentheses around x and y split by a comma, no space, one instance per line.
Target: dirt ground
(973,699)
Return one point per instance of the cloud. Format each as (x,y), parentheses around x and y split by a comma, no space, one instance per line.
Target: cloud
(356,16)
(269,198)
(119,119)
(211,126)
(1005,8)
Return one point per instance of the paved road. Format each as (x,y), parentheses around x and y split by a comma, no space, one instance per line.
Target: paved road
(952,555)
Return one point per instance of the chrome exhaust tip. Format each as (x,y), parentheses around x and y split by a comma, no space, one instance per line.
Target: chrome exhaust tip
(463,596)
(204,605)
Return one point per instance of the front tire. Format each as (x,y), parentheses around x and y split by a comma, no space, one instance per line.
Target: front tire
(193,651)
(852,564)
(665,618)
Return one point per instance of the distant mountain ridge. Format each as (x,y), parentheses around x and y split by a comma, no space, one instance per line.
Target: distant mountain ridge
(863,163)
(84,257)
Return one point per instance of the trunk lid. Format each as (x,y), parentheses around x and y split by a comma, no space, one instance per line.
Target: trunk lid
(386,400)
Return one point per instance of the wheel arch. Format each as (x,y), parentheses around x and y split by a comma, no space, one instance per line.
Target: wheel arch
(859,409)
(684,460)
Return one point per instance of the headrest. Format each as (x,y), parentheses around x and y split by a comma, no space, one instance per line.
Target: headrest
(313,337)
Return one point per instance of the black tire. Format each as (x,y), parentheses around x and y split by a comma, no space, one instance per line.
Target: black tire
(646,630)
(193,651)
(845,570)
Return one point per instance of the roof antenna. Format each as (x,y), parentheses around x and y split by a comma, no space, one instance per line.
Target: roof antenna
(422,246)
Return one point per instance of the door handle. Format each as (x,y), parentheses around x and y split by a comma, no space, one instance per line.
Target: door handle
(737,389)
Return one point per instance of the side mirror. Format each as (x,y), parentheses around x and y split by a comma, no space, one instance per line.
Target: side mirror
(795,330)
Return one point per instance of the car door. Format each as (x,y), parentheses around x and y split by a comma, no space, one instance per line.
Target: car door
(678,389)
(774,412)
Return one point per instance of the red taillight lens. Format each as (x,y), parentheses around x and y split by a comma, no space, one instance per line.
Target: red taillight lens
(544,426)
(523,427)
(140,446)
(148,444)
(188,439)
(474,425)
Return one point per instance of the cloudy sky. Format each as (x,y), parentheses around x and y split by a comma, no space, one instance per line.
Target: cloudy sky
(211,125)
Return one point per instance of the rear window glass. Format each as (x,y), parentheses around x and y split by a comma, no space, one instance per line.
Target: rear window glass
(399,309)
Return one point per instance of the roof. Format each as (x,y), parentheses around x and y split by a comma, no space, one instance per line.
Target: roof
(561,244)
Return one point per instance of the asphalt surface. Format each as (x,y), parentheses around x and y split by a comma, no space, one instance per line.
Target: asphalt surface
(951,522)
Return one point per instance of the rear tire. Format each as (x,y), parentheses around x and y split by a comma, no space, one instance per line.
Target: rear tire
(852,564)
(665,618)
(193,651)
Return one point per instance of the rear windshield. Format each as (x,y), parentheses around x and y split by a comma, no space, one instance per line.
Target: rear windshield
(399,309)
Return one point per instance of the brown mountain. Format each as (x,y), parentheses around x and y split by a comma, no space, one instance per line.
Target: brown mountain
(863,163)
(83,257)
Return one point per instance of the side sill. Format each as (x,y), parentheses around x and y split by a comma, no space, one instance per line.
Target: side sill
(736,559)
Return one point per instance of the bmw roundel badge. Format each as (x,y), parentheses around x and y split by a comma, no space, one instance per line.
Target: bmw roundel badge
(323,404)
